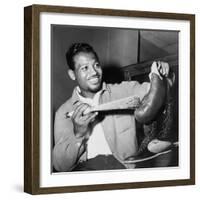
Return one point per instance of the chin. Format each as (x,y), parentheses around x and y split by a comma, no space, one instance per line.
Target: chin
(95,88)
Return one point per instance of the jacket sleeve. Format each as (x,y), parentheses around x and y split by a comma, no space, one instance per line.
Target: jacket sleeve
(68,148)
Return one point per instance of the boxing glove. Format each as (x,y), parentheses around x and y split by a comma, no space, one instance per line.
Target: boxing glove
(152,101)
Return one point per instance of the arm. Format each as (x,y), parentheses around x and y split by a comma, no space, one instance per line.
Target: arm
(68,148)
(154,99)
(71,135)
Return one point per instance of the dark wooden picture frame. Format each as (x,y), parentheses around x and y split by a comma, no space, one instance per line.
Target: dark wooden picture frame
(32,98)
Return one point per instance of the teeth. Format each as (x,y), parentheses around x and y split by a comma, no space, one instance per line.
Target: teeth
(94,80)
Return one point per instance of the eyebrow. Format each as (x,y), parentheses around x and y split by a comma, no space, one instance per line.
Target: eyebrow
(95,61)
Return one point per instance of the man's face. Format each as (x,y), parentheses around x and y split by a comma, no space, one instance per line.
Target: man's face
(88,73)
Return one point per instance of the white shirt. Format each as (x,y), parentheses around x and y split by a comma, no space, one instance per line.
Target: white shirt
(97,143)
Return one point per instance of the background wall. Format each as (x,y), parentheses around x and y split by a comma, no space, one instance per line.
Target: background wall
(115,47)
(108,43)
(11,101)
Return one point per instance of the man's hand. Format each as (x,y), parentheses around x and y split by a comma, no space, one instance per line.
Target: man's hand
(82,119)
(160,68)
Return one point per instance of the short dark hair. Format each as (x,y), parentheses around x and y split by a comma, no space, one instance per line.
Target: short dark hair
(77,48)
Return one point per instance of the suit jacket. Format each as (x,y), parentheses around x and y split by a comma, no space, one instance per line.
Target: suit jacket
(119,129)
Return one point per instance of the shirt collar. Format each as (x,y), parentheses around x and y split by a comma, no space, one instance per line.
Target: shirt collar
(76,96)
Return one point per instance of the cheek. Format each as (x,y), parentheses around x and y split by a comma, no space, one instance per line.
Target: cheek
(100,71)
(83,79)
(80,76)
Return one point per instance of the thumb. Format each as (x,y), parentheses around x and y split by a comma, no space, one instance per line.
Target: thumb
(154,68)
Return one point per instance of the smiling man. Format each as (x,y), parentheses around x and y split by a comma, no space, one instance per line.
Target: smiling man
(86,135)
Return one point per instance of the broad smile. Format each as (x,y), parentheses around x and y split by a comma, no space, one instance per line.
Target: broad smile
(94,80)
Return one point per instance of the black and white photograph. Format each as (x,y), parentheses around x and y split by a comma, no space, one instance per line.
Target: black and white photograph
(109,99)
(114,98)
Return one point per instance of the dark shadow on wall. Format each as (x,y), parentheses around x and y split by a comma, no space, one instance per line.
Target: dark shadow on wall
(113,74)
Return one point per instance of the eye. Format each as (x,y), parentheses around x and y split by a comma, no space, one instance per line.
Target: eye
(84,68)
(97,65)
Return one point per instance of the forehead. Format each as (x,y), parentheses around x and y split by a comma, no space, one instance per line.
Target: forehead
(84,57)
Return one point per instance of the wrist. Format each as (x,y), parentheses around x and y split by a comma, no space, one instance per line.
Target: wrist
(84,134)
(79,135)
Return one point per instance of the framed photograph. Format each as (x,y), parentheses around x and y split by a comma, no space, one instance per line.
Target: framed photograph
(109,99)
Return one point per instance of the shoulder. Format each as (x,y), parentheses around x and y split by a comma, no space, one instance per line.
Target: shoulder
(67,106)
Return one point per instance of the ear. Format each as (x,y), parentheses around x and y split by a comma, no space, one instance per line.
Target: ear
(71,74)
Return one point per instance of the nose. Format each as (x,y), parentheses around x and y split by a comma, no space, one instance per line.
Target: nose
(93,71)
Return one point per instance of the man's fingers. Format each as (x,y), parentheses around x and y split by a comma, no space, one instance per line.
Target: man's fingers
(87,110)
(76,109)
(167,69)
(158,65)
(82,109)
(163,68)
(78,112)
(77,105)
(77,102)
(160,68)
(91,117)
